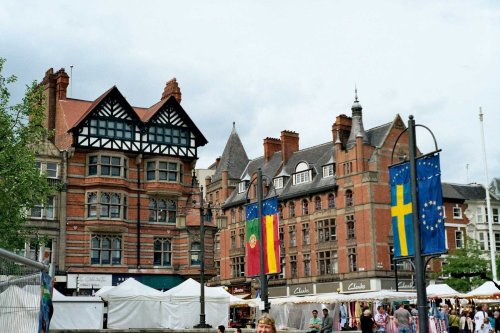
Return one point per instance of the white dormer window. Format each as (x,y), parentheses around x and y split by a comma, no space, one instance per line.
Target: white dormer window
(242,187)
(278,182)
(328,170)
(302,174)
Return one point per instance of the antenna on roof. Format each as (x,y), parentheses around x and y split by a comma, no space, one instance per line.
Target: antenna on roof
(467,172)
(71,81)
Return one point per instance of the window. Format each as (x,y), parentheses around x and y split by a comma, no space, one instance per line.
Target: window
(162,171)
(107,205)
(331,200)
(328,170)
(241,236)
(217,243)
(479,214)
(327,262)
(168,135)
(317,203)
(291,209)
(292,233)
(240,214)
(347,168)
(233,216)
(497,241)
(305,234)
(233,239)
(305,207)
(459,239)
(457,212)
(306,258)
(108,166)
(115,129)
(195,253)
(326,230)
(50,168)
(278,182)
(302,174)
(280,212)
(238,266)
(44,210)
(106,250)
(353,266)
(483,241)
(351,230)
(162,252)
(495,215)
(281,232)
(242,187)
(162,210)
(349,198)
(293,266)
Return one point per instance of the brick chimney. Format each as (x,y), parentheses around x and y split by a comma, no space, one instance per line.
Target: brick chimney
(271,146)
(289,144)
(342,128)
(49,89)
(172,89)
(62,82)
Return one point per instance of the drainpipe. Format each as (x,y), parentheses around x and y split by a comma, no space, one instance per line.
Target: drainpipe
(138,161)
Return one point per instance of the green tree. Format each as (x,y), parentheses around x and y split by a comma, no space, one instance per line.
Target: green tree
(21,185)
(463,263)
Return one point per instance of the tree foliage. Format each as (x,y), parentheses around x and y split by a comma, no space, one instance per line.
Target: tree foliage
(21,185)
(464,261)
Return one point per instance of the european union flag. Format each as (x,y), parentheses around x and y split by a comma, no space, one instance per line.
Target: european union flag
(401,210)
(430,205)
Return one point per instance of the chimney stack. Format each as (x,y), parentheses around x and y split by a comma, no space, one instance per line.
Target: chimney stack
(172,89)
(271,146)
(49,87)
(62,82)
(289,144)
(341,129)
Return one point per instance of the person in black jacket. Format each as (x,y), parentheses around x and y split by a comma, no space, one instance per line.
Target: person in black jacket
(367,322)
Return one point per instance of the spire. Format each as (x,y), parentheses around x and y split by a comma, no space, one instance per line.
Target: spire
(357,128)
(234,159)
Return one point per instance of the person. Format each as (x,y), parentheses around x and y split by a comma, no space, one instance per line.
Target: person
(413,310)
(454,322)
(445,315)
(481,320)
(466,324)
(221,329)
(381,319)
(314,322)
(326,323)
(496,316)
(367,322)
(403,318)
(266,324)
(238,330)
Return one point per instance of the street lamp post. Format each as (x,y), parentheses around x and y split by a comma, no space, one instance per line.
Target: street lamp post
(203,213)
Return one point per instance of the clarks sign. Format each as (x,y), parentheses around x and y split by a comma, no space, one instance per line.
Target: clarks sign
(355,286)
(302,289)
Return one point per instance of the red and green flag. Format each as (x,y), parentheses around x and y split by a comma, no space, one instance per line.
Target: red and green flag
(270,238)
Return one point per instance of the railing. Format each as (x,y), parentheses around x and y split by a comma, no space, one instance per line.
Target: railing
(20,292)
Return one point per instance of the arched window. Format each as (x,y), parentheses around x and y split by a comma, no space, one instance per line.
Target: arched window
(317,203)
(195,254)
(92,204)
(331,200)
(351,228)
(302,173)
(291,209)
(105,202)
(305,207)
(349,199)
(233,216)
(162,252)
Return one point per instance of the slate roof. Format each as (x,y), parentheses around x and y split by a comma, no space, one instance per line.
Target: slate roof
(495,186)
(464,191)
(234,159)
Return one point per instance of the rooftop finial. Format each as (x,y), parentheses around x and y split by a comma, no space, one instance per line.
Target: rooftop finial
(234,127)
(355,93)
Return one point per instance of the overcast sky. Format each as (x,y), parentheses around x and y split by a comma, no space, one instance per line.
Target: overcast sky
(276,65)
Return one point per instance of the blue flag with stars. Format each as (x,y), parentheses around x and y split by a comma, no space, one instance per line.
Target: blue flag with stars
(430,205)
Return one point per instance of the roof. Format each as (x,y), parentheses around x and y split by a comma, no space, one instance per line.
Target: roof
(463,191)
(234,158)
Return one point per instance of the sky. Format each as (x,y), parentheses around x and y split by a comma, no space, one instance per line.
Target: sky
(280,65)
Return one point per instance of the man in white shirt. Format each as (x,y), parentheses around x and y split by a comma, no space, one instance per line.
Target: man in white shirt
(481,320)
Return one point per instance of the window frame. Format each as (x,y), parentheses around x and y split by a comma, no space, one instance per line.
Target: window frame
(164,253)
(328,171)
(159,170)
(101,248)
(97,208)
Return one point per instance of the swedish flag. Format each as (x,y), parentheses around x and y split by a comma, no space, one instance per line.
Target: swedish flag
(401,210)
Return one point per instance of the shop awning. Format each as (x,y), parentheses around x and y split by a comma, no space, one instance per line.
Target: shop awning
(161,282)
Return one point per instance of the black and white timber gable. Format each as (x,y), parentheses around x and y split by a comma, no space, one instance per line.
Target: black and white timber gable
(111,123)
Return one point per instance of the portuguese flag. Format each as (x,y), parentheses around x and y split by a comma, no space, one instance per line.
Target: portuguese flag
(270,238)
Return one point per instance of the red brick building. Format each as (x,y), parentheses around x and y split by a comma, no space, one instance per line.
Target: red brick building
(128,205)
(334,203)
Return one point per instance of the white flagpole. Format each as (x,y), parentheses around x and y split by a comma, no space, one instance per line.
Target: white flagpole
(491,237)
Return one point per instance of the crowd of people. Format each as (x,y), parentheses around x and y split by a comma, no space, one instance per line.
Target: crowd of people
(405,320)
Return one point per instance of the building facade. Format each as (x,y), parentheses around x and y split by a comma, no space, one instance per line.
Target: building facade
(127,205)
(334,209)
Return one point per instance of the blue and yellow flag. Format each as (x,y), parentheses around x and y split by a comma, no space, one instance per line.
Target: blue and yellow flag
(401,210)
(430,207)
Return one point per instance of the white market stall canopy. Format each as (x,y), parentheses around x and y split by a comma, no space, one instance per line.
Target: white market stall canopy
(442,291)
(487,290)
(76,312)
